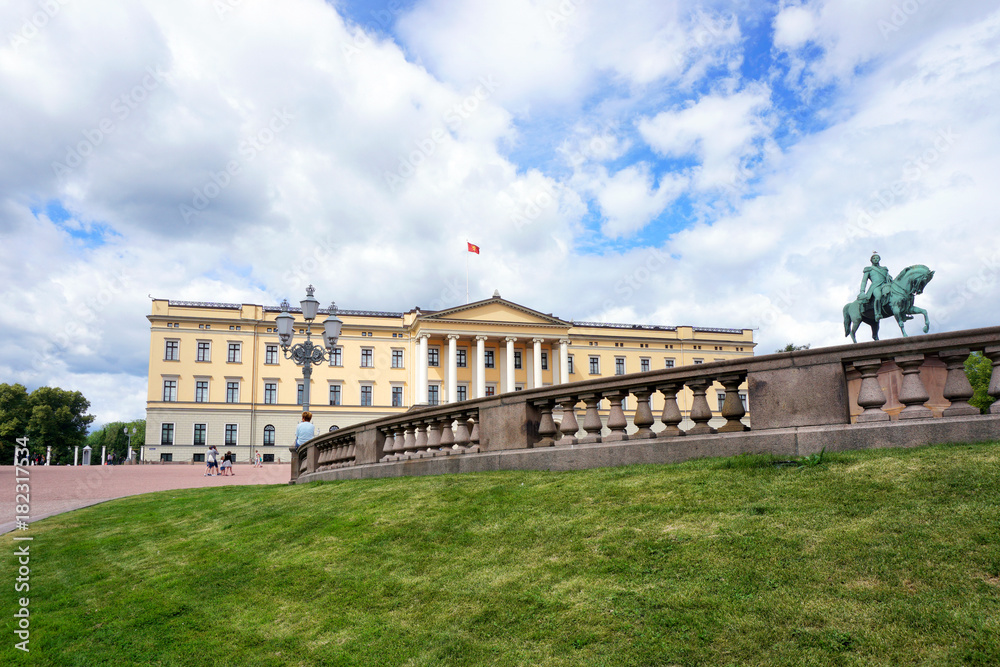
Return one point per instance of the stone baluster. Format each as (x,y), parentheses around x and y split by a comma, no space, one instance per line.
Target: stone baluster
(912,392)
(671,416)
(732,406)
(956,387)
(643,417)
(568,427)
(616,417)
(394,443)
(701,413)
(474,431)
(461,430)
(420,442)
(447,435)
(433,433)
(546,425)
(409,440)
(592,419)
(870,396)
(352,449)
(393,439)
(993,354)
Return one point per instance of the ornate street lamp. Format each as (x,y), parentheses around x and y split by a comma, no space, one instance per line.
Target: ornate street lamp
(306,354)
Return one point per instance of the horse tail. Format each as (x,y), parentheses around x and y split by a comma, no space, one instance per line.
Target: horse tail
(847,320)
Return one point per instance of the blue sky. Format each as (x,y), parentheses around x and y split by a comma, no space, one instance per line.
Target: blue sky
(756,153)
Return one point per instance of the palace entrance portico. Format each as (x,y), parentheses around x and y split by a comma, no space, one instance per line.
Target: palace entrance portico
(486,348)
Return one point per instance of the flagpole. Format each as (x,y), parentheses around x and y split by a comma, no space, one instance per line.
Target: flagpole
(466,270)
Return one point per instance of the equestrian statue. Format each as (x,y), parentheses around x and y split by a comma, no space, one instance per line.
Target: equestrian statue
(886,297)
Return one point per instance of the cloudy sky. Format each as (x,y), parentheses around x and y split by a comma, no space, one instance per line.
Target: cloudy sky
(721,164)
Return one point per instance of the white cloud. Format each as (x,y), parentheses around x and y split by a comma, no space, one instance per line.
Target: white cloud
(629,199)
(720,131)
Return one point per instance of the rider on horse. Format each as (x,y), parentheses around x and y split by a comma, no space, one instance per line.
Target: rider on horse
(881,281)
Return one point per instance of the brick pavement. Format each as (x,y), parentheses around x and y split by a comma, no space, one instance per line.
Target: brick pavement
(58,489)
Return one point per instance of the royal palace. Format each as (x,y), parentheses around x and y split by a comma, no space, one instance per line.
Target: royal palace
(218,375)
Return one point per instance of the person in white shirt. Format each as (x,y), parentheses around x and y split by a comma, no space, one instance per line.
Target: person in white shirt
(305,430)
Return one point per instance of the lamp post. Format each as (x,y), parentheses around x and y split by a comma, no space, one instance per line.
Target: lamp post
(306,353)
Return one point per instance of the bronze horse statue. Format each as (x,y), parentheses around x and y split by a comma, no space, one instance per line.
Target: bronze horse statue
(898,303)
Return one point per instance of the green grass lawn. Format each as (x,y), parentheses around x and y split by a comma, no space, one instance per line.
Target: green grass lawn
(887,557)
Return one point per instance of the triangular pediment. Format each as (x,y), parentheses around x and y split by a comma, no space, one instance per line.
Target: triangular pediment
(494,310)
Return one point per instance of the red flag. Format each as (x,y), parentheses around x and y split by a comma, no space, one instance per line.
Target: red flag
(473,247)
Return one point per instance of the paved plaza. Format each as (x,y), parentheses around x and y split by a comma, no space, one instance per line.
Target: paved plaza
(58,489)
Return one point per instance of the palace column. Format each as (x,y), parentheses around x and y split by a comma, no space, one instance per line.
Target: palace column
(563,361)
(452,368)
(480,366)
(510,362)
(422,369)
(537,361)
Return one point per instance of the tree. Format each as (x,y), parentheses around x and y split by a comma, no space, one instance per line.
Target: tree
(14,415)
(48,416)
(112,437)
(979,369)
(792,347)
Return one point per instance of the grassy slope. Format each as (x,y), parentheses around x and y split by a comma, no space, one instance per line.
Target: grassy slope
(876,558)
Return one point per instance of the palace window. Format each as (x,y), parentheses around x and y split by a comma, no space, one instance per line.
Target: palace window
(270,393)
(270,354)
(204,351)
(569,365)
(595,365)
(644,365)
(300,393)
(171,350)
(367,357)
(545,361)
(517,359)
(337,356)
(366,394)
(166,434)
(232,435)
(668,363)
(433,394)
(200,432)
(334,394)
(269,435)
(232,392)
(433,356)
(170,390)
(619,365)
(491,390)
(234,353)
(463,358)
(397,358)
(489,359)
(463,392)
(201,391)
(397,397)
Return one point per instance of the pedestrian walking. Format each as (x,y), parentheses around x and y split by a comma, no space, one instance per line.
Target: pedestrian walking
(212,461)
(227,465)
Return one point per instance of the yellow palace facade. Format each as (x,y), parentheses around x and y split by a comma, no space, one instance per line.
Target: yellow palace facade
(218,376)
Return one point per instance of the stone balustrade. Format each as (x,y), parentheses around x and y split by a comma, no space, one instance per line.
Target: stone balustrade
(895,389)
